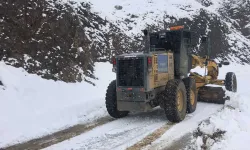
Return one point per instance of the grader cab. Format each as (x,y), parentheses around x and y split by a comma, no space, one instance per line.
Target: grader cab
(160,76)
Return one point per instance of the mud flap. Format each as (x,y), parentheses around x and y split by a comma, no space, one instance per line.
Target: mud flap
(212,95)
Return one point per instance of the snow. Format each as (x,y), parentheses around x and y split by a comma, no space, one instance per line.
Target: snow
(147,11)
(118,134)
(234,118)
(234,121)
(32,106)
(125,132)
(141,13)
(247,26)
(44,15)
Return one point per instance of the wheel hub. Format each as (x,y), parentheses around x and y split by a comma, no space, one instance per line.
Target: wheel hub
(180,101)
(192,97)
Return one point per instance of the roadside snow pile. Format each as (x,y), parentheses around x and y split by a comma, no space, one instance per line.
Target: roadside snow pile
(229,128)
(32,106)
(218,126)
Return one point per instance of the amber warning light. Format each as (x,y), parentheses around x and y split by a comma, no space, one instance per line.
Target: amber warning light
(176,27)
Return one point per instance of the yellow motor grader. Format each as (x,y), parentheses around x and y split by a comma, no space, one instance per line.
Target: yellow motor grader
(161,76)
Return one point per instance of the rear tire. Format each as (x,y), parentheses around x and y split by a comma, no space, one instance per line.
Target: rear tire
(231,82)
(111,102)
(175,100)
(191,94)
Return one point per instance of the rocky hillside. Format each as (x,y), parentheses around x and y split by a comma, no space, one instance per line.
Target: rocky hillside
(61,40)
(57,40)
(225,21)
(238,12)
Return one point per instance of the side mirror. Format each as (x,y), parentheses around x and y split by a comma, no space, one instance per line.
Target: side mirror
(226,63)
(223,63)
(206,41)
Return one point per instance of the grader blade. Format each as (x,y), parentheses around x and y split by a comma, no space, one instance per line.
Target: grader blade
(212,95)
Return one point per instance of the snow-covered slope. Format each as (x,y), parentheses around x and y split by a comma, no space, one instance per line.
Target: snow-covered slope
(148,12)
(62,39)
(32,106)
(212,17)
(144,11)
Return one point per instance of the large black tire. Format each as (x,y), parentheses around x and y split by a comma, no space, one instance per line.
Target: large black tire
(231,82)
(111,102)
(191,94)
(170,100)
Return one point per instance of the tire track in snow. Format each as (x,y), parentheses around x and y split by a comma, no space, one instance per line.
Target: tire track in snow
(157,134)
(151,137)
(71,132)
(134,131)
(118,134)
(59,136)
(179,134)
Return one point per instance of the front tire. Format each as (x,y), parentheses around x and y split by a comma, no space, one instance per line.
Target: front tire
(175,100)
(231,82)
(191,94)
(111,102)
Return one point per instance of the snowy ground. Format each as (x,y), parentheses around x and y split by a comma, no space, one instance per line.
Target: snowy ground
(125,132)
(32,107)
(234,118)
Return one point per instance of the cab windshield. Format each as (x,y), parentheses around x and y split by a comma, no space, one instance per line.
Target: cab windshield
(165,41)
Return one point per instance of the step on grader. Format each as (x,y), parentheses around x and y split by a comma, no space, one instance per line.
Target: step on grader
(161,76)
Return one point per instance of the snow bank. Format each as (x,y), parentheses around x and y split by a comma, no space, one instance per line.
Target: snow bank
(32,107)
(233,119)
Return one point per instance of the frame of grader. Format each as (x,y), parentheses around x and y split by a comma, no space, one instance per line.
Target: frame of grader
(161,76)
